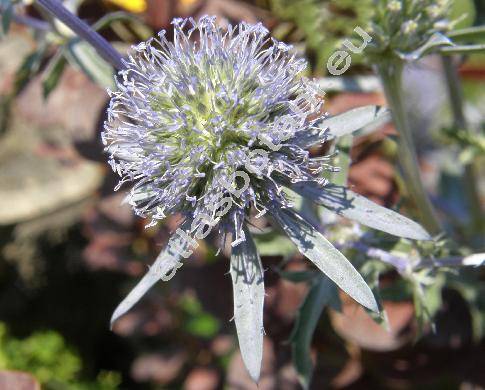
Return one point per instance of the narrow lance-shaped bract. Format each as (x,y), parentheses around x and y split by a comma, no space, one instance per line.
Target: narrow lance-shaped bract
(213,124)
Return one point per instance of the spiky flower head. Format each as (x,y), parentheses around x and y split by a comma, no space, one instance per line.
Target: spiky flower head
(214,124)
(191,118)
(402,26)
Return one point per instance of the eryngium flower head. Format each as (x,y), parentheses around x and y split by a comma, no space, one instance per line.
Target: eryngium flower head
(402,26)
(189,114)
(215,124)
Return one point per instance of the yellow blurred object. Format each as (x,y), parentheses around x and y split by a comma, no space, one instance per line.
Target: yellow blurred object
(135,6)
(186,6)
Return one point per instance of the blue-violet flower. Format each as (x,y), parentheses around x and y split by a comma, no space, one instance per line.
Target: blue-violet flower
(216,124)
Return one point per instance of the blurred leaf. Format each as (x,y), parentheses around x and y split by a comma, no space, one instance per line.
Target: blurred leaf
(274,244)
(462,49)
(112,17)
(319,296)
(53,73)
(402,246)
(6,6)
(203,325)
(463,13)
(117,20)
(466,140)
(471,34)
(343,146)
(298,276)
(83,56)
(399,290)
(426,296)
(29,67)
(143,31)
(327,259)
(248,287)
(350,205)
(198,322)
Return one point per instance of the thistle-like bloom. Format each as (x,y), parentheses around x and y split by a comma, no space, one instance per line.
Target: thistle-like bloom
(215,125)
(400,27)
(188,116)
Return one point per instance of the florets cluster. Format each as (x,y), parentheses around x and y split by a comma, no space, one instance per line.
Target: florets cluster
(212,111)
(403,26)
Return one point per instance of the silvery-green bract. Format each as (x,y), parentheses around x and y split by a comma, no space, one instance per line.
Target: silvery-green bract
(214,125)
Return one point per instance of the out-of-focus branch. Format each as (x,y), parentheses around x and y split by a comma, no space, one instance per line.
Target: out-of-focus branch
(84,31)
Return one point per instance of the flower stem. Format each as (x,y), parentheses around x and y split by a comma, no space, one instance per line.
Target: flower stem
(102,46)
(391,76)
(456,102)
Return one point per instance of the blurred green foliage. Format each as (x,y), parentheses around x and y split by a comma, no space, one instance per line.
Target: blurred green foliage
(464,11)
(51,361)
(322,24)
(198,322)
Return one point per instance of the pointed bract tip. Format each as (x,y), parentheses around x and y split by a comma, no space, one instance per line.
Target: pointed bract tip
(254,372)
(116,315)
(420,234)
(372,305)
(111,323)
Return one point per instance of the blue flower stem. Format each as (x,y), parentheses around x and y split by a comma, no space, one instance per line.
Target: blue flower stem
(456,101)
(391,76)
(83,30)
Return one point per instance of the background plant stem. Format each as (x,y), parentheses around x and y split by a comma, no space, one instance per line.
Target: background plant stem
(391,76)
(456,101)
(83,30)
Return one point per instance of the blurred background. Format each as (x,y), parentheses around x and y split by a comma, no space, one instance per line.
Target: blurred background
(70,251)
